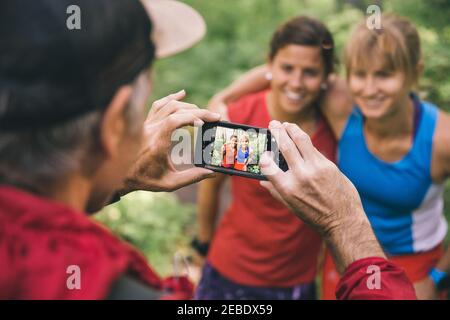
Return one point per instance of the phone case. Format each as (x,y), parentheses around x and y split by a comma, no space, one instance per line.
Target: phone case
(199,147)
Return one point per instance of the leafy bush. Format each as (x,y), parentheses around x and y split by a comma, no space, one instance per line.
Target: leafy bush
(156,223)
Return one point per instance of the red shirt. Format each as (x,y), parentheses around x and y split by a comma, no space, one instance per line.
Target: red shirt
(228,158)
(40,239)
(259,242)
(358,283)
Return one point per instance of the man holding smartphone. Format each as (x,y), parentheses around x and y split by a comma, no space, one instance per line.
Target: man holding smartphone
(72,132)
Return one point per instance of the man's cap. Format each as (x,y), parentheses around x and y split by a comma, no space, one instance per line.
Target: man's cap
(176,26)
(51,71)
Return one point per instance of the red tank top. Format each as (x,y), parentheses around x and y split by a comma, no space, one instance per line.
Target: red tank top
(228,158)
(259,242)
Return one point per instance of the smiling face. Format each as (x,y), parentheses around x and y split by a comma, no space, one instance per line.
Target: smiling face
(297,74)
(233,142)
(244,142)
(383,67)
(378,91)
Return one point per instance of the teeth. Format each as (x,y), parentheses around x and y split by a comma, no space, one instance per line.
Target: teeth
(374,103)
(293,95)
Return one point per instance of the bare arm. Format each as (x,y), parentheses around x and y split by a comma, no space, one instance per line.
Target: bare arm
(337,104)
(440,171)
(441,167)
(251,81)
(208,198)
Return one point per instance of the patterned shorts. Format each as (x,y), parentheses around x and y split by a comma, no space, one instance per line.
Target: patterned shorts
(213,286)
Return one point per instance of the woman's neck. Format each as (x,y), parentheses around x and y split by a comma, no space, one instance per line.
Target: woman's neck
(306,118)
(398,123)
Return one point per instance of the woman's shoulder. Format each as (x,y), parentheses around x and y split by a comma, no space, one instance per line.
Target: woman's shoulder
(337,99)
(442,132)
(337,104)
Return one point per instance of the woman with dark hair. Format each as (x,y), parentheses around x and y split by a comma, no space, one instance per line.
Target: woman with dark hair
(229,152)
(259,250)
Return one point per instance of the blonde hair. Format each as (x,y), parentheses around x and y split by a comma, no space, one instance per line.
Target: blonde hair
(245,136)
(397,45)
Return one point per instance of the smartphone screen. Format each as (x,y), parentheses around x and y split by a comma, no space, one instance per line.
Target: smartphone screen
(234,149)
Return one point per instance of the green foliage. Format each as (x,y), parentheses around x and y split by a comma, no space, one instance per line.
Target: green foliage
(431,19)
(156,223)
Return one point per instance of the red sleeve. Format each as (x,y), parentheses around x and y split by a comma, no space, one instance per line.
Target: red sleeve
(374,279)
(248,108)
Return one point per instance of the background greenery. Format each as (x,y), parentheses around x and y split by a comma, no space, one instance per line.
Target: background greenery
(237,39)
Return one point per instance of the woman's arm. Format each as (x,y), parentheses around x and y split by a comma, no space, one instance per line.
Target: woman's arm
(337,104)
(440,171)
(208,199)
(251,81)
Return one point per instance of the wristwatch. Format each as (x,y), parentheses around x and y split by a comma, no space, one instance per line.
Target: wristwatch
(201,247)
(440,278)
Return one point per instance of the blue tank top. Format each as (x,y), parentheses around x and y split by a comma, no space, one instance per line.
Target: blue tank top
(242,156)
(404,206)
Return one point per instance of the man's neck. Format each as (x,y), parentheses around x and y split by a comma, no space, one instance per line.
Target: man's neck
(73,192)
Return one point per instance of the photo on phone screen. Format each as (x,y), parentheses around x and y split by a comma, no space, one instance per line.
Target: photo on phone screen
(234,148)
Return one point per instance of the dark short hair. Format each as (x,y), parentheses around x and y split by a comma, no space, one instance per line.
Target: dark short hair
(307,31)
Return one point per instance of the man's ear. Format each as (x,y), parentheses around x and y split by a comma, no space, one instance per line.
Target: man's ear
(113,126)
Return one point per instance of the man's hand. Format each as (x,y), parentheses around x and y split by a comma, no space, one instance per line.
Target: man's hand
(313,188)
(318,193)
(154,170)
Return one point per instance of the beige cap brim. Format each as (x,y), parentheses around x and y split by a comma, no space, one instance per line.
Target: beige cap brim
(176,26)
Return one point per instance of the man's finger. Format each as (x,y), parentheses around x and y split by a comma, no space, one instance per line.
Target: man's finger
(196,117)
(301,140)
(158,104)
(285,144)
(189,176)
(204,114)
(220,108)
(269,168)
(174,106)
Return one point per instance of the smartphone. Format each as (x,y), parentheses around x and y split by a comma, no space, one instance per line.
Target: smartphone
(235,149)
